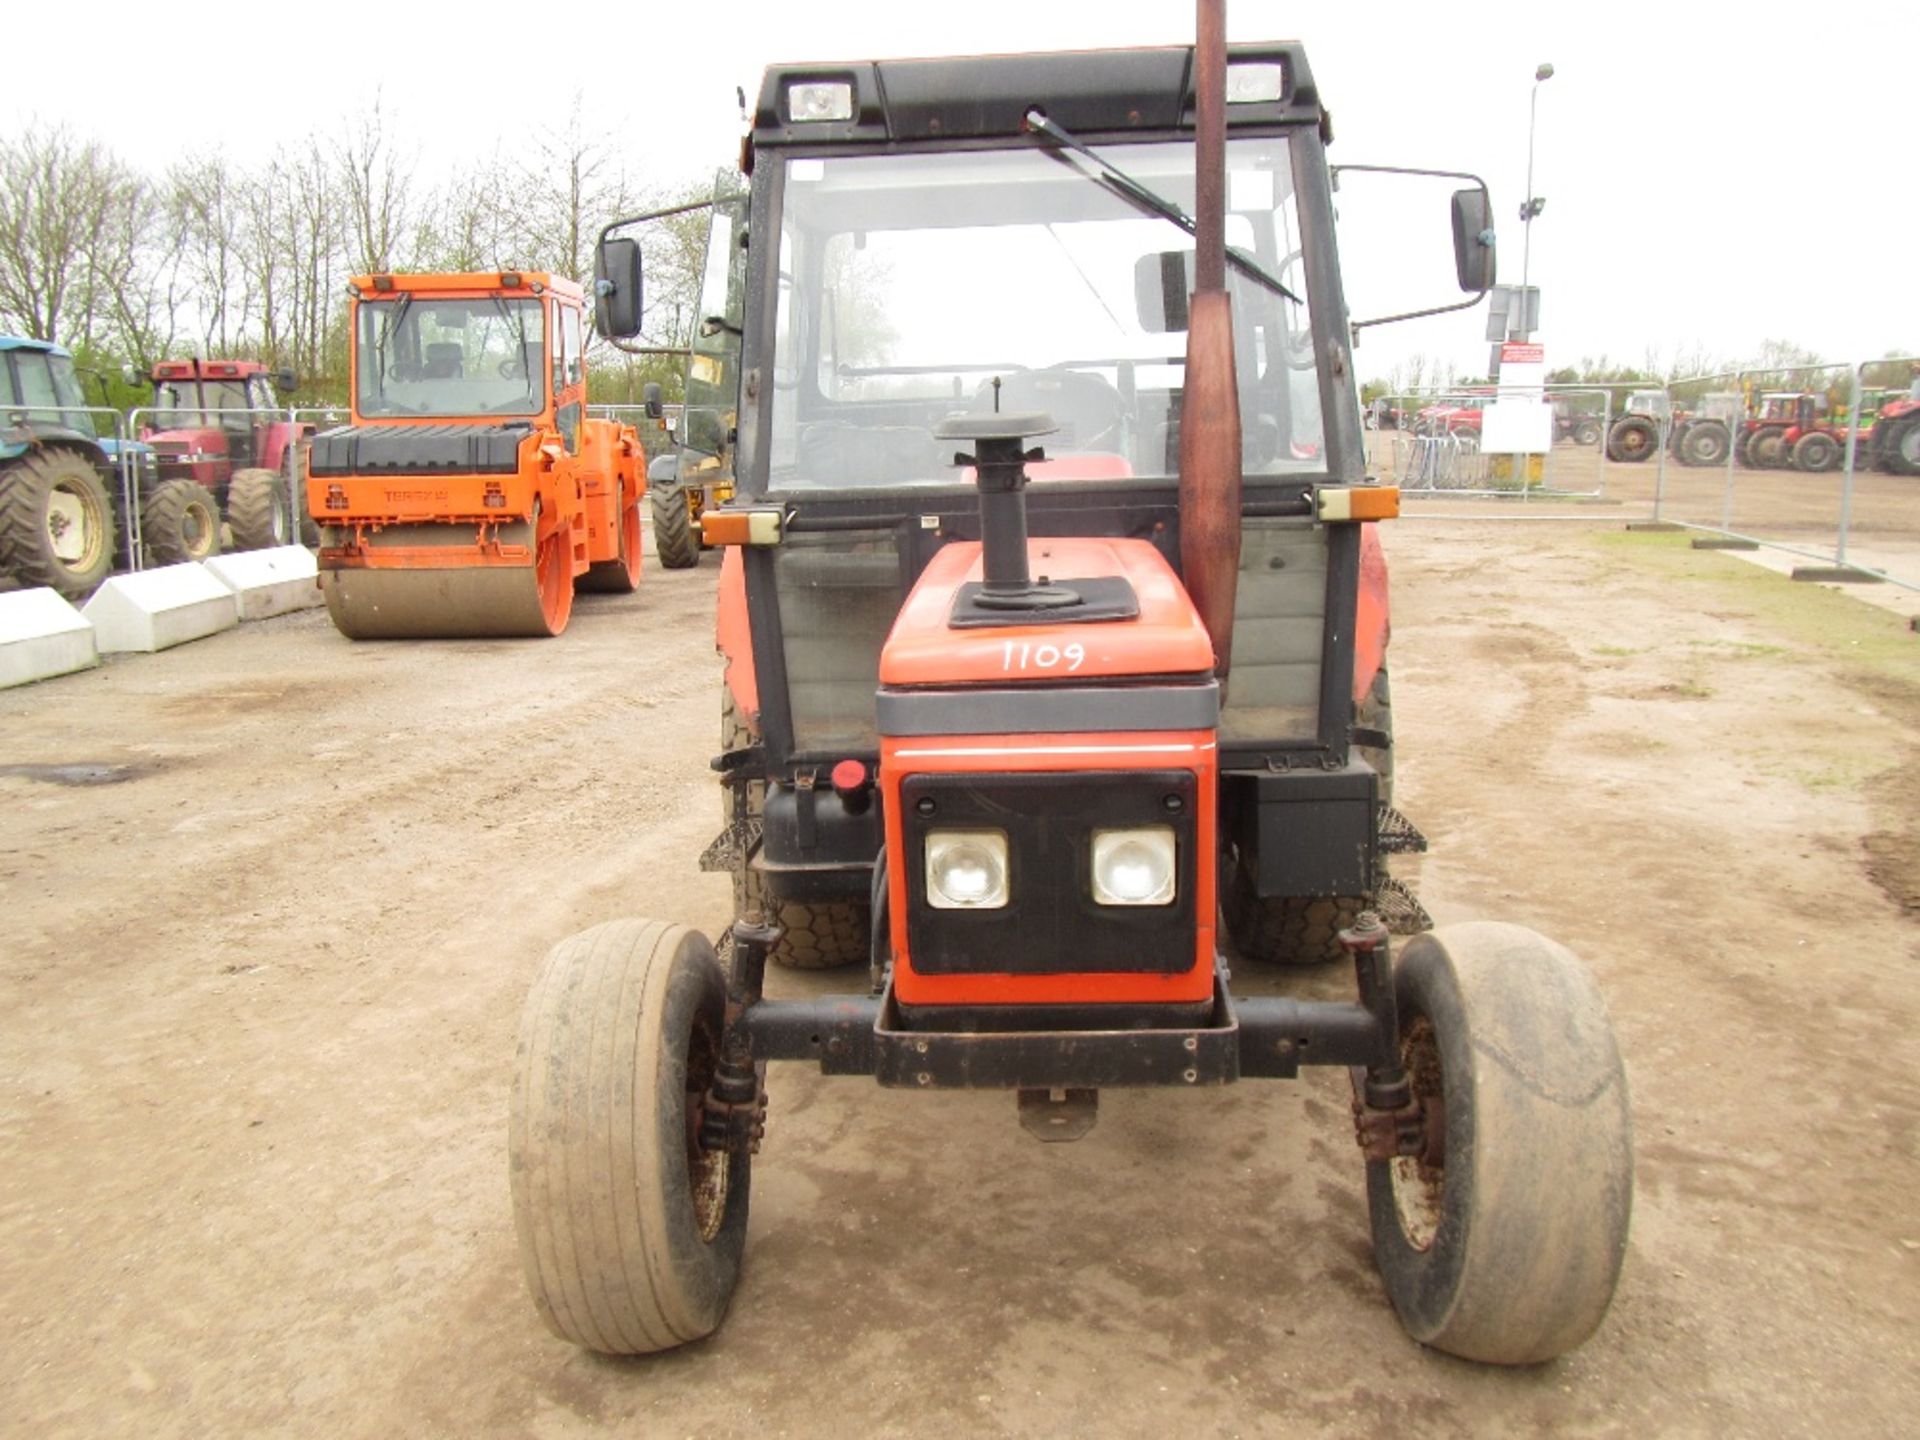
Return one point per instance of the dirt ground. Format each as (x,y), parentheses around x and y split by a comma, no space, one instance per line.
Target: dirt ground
(262,957)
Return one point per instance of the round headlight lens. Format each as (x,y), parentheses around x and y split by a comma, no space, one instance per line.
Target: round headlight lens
(1134,867)
(967,869)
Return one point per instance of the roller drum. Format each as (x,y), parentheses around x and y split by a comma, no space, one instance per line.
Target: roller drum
(369,603)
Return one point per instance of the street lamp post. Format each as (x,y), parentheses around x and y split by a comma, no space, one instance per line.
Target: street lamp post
(1529,208)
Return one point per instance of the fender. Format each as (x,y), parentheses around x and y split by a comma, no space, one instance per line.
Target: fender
(734,639)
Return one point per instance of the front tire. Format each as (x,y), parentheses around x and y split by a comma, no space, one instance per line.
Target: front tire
(673,538)
(630,1234)
(1706,442)
(179,524)
(1506,1251)
(1902,447)
(1815,452)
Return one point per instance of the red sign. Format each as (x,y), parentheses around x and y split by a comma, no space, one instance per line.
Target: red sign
(1514,353)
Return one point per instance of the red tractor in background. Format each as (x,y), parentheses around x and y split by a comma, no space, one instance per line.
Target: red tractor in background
(1894,442)
(209,424)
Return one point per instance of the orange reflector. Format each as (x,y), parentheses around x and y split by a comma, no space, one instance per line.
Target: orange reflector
(740,527)
(1367,502)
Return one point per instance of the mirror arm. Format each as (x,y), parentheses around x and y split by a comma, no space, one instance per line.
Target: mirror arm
(627,220)
(1356,326)
(627,349)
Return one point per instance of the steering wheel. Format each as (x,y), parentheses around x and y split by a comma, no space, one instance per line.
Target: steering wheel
(1089,411)
(511,369)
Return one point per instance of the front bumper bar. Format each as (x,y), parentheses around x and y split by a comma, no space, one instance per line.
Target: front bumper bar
(1262,1037)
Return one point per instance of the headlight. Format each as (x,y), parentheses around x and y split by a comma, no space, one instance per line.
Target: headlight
(967,869)
(1133,867)
(809,100)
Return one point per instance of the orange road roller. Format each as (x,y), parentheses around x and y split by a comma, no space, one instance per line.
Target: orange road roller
(471,495)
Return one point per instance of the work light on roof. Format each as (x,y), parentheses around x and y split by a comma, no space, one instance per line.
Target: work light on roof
(1253,81)
(809,100)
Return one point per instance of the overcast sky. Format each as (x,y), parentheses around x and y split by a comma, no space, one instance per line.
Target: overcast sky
(1716,175)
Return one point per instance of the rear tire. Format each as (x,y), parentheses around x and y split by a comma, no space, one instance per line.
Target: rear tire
(56,522)
(1633,439)
(1305,929)
(257,510)
(1767,450)
(1508,1250)
(817,934)
(178,523)
(1815,452)
(1706,442)
(630,1234)
(1901,448)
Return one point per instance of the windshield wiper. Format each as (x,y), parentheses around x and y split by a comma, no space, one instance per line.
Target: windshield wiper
(1132,191)
(387,327)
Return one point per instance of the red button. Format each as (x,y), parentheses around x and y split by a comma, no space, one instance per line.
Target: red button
(849,776)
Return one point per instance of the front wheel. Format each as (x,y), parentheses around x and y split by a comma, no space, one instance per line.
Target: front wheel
(630,1231)
(56,522)
(1632,440)
(1902,446)
(179,524)
(1505,1247)
(1816,452)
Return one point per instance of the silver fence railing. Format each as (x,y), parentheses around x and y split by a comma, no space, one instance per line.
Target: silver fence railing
(1810,466)
(1430,441)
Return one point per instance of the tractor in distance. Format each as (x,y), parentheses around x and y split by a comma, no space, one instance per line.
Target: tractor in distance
(1054,619)
(1703,435)
(218,423)
(678,538)
(1895,441)
(61,480)
(470,494)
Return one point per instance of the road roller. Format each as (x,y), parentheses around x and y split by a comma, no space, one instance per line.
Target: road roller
(470,495)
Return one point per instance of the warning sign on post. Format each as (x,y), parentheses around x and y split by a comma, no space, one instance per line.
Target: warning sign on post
(1517,352)
(1519,421)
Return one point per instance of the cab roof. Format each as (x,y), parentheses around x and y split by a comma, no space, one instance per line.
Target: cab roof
(972,96)
(44,347)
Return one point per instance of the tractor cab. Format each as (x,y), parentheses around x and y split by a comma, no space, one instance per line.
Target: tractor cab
(210,418)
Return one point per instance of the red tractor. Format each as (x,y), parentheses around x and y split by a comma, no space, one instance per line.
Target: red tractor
(1894,442)
(991,552)
(219,423)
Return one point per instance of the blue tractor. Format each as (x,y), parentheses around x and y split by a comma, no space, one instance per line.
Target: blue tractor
(58,477)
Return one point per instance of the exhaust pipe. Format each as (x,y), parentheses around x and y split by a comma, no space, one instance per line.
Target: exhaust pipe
(1210,407)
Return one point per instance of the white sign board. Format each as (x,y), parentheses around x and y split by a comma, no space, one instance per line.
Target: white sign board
(1519,422)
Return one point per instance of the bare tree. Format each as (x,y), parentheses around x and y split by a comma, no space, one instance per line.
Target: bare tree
(58,198)
(374,184)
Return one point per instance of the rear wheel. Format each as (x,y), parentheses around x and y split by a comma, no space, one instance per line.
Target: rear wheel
(630,1231)
(1816,452)
(56,523)
(1705,443)
(1633,439)
(179,524)
(1902,445)
(1305,929)
(1767,449)
(257,510)
(818,934)
(621,575)
(1505,1245)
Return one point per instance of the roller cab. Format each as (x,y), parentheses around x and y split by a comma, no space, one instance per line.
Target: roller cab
(470,495)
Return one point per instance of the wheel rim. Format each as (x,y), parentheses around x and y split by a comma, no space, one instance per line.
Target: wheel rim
(1419,1187)
(279,521)
(75,528)
(707,1170)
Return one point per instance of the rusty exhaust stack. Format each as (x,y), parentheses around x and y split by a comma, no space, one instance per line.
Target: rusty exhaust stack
(1210,410)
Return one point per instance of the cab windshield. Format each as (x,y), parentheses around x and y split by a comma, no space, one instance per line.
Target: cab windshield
(914,287)
(178,403)
(483,356)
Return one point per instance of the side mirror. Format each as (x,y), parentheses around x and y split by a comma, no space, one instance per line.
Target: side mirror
(285,379)
(650,399)
(1473,251)
(616,288)
(1161,284)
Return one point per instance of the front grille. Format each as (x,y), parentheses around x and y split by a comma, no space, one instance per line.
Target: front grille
(1051,924)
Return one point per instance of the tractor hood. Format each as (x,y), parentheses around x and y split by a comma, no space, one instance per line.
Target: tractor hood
(1165,639)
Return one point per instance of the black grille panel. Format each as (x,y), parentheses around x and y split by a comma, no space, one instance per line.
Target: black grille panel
(1051,924)
(417,450)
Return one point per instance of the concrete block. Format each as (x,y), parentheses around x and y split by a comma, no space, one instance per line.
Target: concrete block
(42,635)
(159,608)
(270,582)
